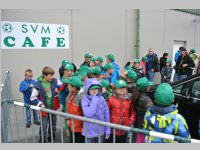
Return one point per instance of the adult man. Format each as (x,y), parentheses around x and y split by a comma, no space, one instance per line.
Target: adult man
(152,64)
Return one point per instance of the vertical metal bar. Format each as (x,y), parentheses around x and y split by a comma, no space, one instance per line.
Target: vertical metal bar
(86,134)
(9,108)
(17,123)
(61,130)
(33,127)
(114,135)
(130,137)
(3,117)
(41,126)
(73,136)
(24,118)
(51,127)
(99,134)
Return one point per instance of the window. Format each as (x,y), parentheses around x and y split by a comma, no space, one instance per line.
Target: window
(196,89)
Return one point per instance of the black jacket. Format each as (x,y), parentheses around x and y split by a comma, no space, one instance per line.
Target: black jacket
(180,70)
(154,62)
(162,62)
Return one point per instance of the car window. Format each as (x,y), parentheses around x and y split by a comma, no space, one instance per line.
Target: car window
(196,89)
(178,89)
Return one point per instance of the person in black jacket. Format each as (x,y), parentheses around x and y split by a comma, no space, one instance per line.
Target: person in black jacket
(183,65)
(163,60)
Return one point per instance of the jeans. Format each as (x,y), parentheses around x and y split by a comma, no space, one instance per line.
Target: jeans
(95,140)
(179,77)
(78,137)
(29,111)
(46,124)
(118,139)
(150,75)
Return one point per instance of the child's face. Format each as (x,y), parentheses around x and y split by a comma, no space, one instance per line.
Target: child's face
(121,91)
(28,75)
(48,77)
(94,92)
(110,71)
(68,73)
(104,90)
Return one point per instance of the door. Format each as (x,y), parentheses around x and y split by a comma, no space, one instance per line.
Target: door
(176,45)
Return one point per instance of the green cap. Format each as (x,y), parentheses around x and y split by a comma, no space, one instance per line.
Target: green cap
(164,95)
(168,61)
(84,68)
(137,60)
(108,66)
(96,70)
(82,74)
(144,58)
(105,83)
(120,83)
(99,59)
(87,55)
(95,87)
(75,81)
(92,59)
(69,66)
(143,82)
(110,56)
(64,62)
(193,50)
(131,74)
(76,73)
(129,68)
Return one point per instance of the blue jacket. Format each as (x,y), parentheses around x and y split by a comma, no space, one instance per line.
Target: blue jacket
(178,53)
(165,120)
(26,90)
(39,87)
(94,107)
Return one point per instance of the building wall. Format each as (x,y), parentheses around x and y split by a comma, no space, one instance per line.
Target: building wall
(99,32)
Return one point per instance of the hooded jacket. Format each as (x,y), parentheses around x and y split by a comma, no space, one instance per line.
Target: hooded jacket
(94,107)
(165,120)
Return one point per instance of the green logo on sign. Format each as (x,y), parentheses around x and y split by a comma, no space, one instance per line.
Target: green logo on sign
(7,27)
(61,30)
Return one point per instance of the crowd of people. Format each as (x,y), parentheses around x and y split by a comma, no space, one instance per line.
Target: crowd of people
(110,94)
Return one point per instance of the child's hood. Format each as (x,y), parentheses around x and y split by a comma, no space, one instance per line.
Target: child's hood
(161,117)
(90,82)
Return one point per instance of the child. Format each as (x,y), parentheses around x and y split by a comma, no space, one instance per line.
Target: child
(106,90)
(99,62)
(109,74)
(43,95)
(121,110)
(166,72)
(61,69)
(73,103)
(96,72)
(26,88)
(142,103)
(164,117)
(143,65)
(63,91)
(94,107)
(137,68)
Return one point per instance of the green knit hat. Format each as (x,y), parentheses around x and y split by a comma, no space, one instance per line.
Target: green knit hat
(75,81)
(193,50)
(110,56)
(87,55)
(108,66)
(132,75)
(69,66)
(120,83)
(164,95)
(143,83)
(99,59)
(105,83)
(96,70)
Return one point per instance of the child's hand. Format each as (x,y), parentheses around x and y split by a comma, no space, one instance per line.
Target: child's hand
(107,136)
(42,105)
(31,85)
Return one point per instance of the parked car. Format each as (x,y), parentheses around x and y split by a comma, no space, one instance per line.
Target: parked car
(187,97)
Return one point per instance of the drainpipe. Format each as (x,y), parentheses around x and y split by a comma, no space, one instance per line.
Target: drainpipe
(137,46)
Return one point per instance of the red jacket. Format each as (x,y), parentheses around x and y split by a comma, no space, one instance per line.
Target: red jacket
(121,112)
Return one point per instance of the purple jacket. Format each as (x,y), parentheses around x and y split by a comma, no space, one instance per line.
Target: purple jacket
(94,107)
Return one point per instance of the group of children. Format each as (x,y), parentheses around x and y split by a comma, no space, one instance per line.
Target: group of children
(100,92)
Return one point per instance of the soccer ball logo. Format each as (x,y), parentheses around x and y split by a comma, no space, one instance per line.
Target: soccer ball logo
(61,30)
(7,27)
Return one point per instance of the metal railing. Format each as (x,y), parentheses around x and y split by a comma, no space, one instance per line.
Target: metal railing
(100,123)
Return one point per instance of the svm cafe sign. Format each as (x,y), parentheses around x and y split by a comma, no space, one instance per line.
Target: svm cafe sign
(21,35)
